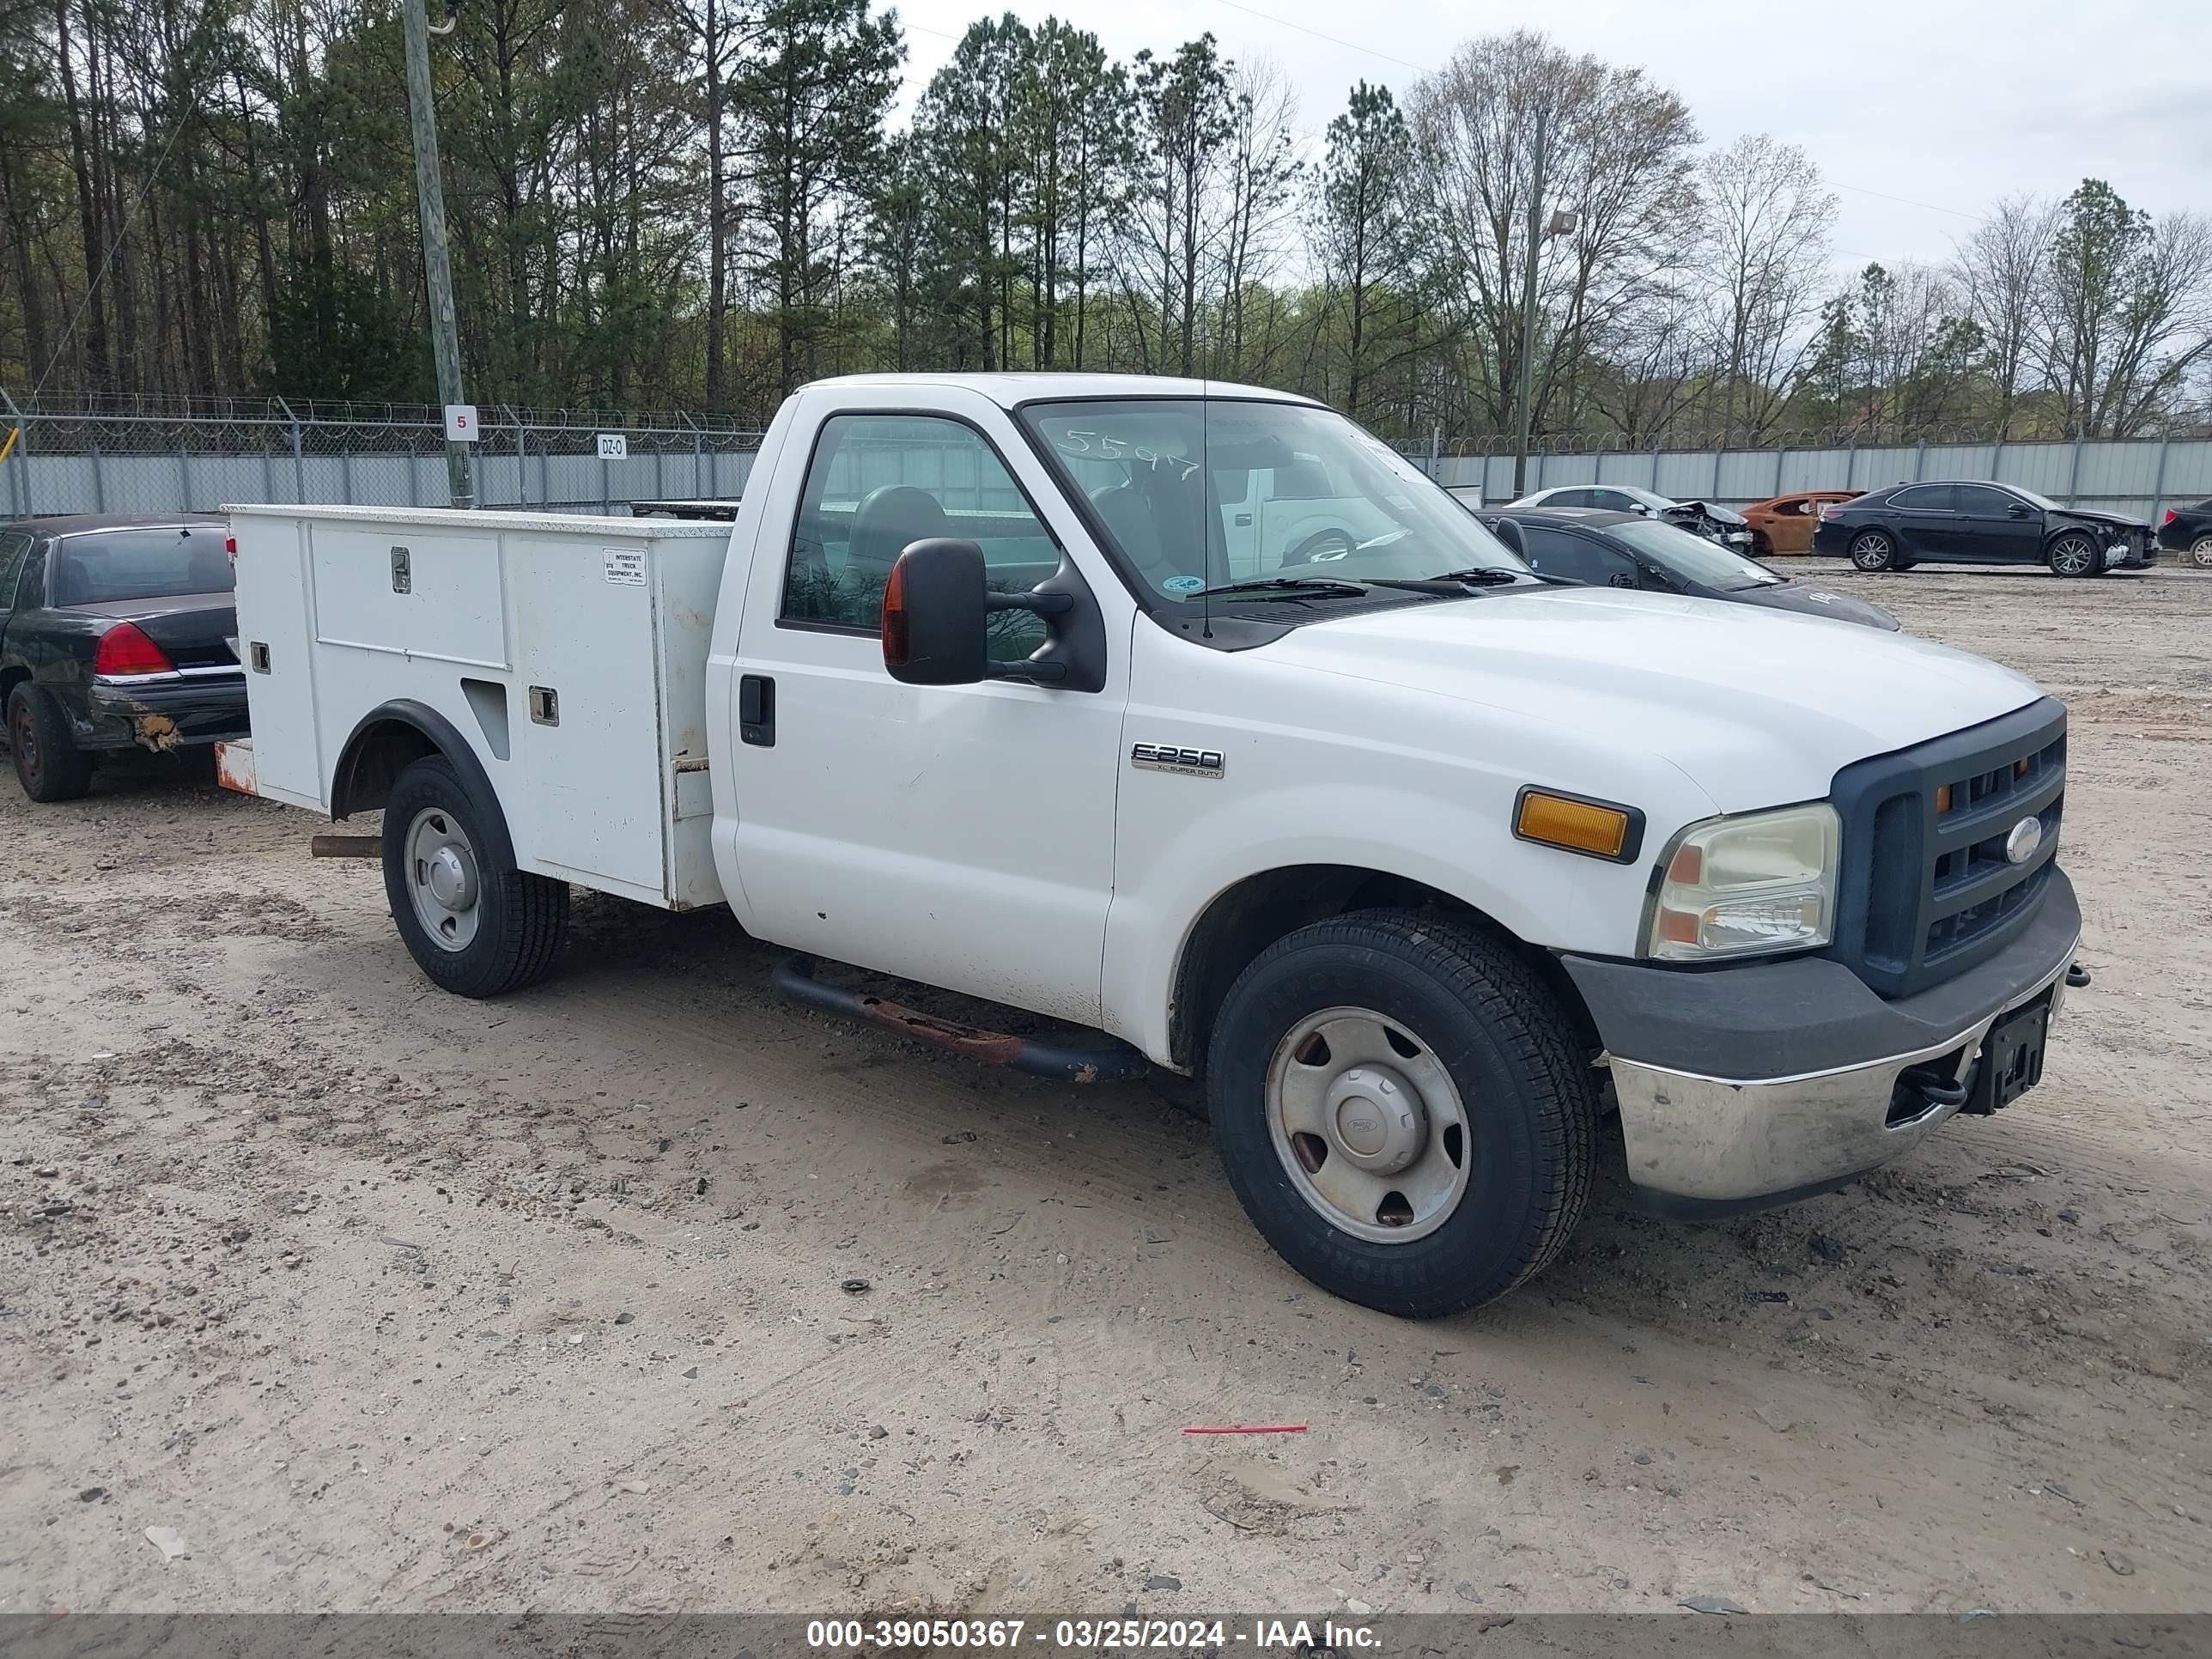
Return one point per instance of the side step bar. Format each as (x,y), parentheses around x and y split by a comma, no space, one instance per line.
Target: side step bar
(1114,1063)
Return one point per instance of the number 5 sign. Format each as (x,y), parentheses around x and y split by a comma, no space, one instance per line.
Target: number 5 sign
(460,424)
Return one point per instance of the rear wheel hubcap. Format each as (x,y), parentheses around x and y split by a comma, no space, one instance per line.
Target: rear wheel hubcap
(442,880)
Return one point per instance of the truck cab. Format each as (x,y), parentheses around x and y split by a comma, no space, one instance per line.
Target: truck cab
(1445,879)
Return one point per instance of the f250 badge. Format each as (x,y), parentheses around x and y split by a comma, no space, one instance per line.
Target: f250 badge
(1172,758)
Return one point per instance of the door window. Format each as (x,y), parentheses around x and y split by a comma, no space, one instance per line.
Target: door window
(12,549)
(1561,553)
(31,591)
(877,483)
(1569,498)
(1923,498)
(1980,502)
(1613,501)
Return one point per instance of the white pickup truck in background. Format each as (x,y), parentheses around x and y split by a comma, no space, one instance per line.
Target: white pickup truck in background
(1040,690)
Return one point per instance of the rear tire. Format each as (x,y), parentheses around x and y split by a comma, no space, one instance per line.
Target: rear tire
(2073,554)
(1873,550)
(1484,1089)
(2200,552)
(474,923)
(48,764)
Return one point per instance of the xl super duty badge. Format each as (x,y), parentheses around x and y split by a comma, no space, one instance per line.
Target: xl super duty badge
(1169,757)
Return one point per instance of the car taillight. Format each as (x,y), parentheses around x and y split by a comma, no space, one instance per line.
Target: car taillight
(2170,516)
(1832,510)
(125,649)
(230,545)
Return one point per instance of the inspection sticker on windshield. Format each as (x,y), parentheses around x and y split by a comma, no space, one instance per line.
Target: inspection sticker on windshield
(1182,584)
(626,566)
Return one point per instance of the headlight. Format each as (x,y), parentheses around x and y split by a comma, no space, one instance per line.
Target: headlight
(1748,884)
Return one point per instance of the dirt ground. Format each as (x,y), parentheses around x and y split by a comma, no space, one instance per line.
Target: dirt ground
(384,1299)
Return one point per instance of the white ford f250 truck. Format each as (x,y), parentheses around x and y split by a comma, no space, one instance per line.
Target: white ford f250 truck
(997,684)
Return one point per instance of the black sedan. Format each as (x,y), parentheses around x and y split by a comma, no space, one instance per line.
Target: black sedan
(1626,549)
(1969,523)
(2189,530)
(115,634)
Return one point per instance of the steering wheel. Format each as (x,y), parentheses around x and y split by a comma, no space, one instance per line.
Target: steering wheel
(1323,547)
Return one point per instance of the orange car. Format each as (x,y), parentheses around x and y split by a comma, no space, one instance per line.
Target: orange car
(1786,524)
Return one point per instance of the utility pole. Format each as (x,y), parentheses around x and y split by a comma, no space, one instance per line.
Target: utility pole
(430,194)
(1527,304)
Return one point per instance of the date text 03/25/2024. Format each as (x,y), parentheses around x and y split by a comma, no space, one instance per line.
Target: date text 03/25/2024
(1093,1635)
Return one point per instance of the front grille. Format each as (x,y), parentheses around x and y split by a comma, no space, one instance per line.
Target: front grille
(1927,888)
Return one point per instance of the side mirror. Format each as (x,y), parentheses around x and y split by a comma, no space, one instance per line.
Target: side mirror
(934,609)
(937,607)
(2017,510)
(1620,579)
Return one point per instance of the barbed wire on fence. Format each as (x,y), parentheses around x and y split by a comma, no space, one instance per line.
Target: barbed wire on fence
(75,453)
(1728,439)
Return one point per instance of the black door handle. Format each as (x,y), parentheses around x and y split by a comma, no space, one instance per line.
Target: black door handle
(756,710)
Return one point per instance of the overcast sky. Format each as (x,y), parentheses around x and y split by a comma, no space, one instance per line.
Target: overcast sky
(1918,112)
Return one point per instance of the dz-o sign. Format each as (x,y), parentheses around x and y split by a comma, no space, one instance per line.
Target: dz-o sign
(613,446)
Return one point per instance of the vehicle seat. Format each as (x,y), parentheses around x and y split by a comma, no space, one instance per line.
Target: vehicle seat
(887,522)
(1128,518)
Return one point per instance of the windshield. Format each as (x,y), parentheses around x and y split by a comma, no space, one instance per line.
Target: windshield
(1648,497)
(2034,500)
(142,564)
(1693,558)
(1199,494)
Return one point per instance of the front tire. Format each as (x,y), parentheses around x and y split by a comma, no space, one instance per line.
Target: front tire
(48,764)
(1873,550)
(2073,554)
(1404,1109)
(2200,552)
(474,923)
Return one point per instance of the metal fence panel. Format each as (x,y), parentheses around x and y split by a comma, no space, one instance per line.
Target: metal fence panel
(148,458)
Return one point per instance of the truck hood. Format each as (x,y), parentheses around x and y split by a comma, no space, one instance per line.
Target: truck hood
(1758,707)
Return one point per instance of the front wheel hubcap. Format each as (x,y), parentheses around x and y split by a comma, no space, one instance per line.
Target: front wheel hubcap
(1369,1125)
(442,880)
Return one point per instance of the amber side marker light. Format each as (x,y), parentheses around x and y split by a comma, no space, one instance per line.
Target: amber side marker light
(1595,828)
(896,642)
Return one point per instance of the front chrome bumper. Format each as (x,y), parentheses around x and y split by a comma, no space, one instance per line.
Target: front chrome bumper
(1698,1140)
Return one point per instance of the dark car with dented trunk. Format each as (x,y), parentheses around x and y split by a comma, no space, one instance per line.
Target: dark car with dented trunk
(117,633)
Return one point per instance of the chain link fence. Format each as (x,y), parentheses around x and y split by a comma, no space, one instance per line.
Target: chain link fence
(2141,477)
(148,455)
(137,455)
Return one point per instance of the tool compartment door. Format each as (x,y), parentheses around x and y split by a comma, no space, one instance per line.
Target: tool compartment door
(275,642)
(593,764)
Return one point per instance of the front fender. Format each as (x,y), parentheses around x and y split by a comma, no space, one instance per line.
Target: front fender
(1459,844)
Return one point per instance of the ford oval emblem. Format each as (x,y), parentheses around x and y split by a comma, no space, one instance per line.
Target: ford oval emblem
(2027,835)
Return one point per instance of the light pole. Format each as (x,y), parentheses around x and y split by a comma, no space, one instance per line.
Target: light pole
(430,195)
(1561,224)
